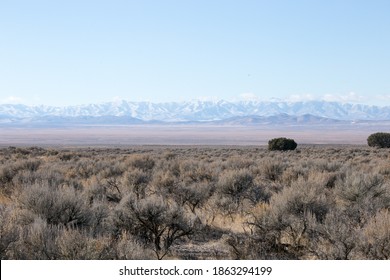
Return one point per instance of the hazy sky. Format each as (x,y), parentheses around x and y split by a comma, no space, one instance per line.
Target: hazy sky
(77,52)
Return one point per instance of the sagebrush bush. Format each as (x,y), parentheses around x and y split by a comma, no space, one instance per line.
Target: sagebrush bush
(375,242)
(9,234)
(136,180)
(193,195)
(154,221)
(143,162)
(56,205)
(235,184)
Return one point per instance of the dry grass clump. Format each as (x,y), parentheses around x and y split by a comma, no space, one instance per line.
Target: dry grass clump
(317,202)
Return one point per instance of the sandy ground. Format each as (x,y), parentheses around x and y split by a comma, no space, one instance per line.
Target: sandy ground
(183,135)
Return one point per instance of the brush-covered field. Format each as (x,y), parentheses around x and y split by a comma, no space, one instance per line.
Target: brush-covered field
(195,202)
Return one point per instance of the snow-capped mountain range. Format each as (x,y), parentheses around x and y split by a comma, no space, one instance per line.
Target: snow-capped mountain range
(192,111)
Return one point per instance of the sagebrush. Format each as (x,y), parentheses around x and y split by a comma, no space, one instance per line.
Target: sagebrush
(317,202)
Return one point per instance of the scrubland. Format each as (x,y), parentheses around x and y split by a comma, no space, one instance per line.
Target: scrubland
(140,202)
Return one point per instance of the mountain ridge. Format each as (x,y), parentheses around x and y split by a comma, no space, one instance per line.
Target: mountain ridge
(194,111)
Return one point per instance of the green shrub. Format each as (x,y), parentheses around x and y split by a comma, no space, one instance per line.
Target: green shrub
(379,139)
(281,144)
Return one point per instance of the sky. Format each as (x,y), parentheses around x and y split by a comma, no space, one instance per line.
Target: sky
(80,52)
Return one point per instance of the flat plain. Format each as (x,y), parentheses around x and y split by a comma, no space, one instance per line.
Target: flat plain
(184,135)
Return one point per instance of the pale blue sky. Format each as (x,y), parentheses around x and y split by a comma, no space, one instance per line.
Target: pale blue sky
(77,52)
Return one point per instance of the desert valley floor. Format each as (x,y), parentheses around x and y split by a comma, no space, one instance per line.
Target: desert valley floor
(184,135)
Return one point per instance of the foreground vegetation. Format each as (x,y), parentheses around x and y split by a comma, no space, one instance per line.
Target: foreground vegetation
(195,203)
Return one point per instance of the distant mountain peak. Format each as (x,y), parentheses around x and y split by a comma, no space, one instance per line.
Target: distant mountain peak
(196,110)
